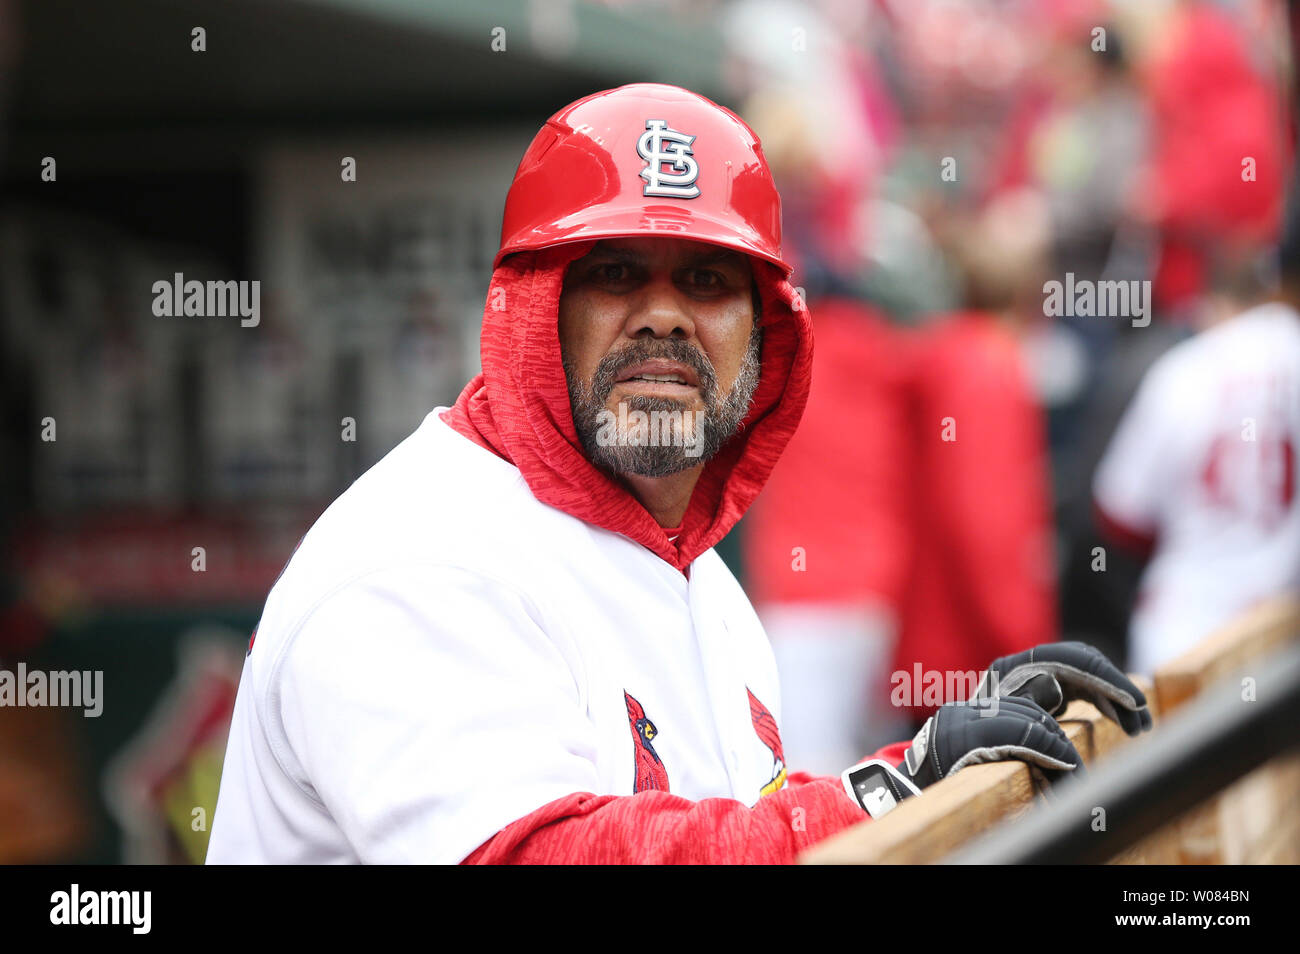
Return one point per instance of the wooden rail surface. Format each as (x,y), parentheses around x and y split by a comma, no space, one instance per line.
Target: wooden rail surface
(1257,819)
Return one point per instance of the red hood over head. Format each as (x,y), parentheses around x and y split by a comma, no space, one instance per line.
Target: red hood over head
(518,408)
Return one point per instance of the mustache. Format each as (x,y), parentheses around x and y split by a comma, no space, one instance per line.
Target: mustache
(668,349)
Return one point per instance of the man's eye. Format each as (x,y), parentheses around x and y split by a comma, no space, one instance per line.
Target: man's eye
(706,279)
(610,272)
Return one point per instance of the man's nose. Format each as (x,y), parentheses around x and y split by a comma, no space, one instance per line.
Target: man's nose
(661,311)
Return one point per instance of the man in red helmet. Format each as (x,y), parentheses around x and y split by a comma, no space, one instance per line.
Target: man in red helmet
(511,639)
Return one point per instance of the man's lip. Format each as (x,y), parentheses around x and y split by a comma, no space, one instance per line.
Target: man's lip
(660,367)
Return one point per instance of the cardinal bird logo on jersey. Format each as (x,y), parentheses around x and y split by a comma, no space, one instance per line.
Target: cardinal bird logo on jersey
(765,726)
(650,772)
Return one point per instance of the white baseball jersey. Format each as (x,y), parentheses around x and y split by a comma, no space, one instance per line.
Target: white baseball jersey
(1204,460)
(445,654)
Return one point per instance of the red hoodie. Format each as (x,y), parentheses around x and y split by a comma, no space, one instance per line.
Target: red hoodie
(518,408)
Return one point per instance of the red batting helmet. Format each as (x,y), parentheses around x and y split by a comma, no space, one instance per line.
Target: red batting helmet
(645,159)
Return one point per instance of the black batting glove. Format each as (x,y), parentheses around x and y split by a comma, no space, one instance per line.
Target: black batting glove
(988,730)
(1055,673)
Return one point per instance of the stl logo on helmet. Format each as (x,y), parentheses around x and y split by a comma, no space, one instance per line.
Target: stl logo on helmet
(678,184)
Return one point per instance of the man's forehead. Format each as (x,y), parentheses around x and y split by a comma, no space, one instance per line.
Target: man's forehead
(646,249)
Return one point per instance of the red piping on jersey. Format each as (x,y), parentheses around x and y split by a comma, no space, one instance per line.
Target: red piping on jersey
(518,408)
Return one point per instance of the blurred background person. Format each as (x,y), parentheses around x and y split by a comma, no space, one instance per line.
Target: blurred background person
(1208,191)
(1200,476)
(1219,147)
(982,580)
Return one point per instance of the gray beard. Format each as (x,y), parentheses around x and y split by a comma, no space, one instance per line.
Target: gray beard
(688,438)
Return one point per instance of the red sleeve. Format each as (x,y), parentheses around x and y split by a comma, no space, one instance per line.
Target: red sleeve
(659,828)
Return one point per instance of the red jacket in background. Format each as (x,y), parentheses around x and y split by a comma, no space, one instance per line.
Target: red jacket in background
(840,491)
(1212,108)
(982,582)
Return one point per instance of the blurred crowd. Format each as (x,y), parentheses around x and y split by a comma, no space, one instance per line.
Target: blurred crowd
(958,489)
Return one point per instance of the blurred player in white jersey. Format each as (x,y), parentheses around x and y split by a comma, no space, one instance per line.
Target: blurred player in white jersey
(1201,473)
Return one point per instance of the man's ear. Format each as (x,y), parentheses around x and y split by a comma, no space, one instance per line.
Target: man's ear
(757,299)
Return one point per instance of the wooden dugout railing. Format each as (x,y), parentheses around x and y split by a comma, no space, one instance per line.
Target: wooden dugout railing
(1254,820)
